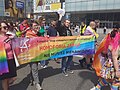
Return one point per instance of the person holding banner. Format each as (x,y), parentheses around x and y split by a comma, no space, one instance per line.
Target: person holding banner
(106,62)
(52,32)
(9,77)
(90,31)
(34,65)
(64,30)
(41,32)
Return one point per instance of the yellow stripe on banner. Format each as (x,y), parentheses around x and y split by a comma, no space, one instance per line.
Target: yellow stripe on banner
(39,48)
(55,6)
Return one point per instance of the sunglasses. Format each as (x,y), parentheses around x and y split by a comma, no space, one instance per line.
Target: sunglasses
(5,27)
(67,22)
(36,27)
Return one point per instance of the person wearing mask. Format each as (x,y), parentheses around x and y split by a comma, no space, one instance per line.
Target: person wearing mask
(9,77)
(64,30)
(34,65)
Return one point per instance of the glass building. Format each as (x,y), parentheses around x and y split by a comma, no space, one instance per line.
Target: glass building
(107,11)
(2,10)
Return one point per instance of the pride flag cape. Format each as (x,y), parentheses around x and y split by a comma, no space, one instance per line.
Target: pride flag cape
(96,63)
(43,48)
(3,59)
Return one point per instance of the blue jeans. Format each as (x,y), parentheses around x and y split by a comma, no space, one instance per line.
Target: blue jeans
(43,63)
(66,62)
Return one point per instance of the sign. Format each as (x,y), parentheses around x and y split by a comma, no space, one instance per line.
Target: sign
(43,48)
(55,6)
(52,1)
(14,8)
(19,4)
(46,5)
(63,5)
(61,12)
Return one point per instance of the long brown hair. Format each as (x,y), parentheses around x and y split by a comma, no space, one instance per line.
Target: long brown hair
(3,22)
(41,19)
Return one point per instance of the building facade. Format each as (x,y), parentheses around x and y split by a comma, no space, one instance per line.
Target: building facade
(47,9)
(2,9)
(107,11)
(16,8)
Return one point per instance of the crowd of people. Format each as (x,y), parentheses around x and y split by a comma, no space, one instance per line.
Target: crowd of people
(36,28)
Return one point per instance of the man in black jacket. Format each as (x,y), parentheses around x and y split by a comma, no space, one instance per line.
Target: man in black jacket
(52,32)
(64,30)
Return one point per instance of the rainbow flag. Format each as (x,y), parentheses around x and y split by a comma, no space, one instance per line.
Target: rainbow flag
(43,48)
(97,63)
(3,60)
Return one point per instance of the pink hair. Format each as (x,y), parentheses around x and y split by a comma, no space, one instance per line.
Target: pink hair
(114,42)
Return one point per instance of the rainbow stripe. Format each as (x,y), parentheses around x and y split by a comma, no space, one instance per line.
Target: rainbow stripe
(42,48)
(3,59)
(97,63)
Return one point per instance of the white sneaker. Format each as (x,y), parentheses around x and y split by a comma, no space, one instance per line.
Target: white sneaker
(70,71)
(42,66)
(65,73)
(94,88)
(45,66)
(38,87)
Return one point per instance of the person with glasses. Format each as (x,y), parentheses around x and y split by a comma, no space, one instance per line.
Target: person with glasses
(52,32)
(34,65)
(7,78)
(64,30)
(41,32)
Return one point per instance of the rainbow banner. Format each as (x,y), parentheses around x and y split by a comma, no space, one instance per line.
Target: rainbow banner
(44,48)
(97,63)
(3,60)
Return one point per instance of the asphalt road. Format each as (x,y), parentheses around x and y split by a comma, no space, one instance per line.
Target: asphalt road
(52,79)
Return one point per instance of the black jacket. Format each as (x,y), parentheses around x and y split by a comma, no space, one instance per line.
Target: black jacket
(62,30)
(52,31)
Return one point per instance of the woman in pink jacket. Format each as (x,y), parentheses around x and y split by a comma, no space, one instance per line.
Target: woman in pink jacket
(9,77)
